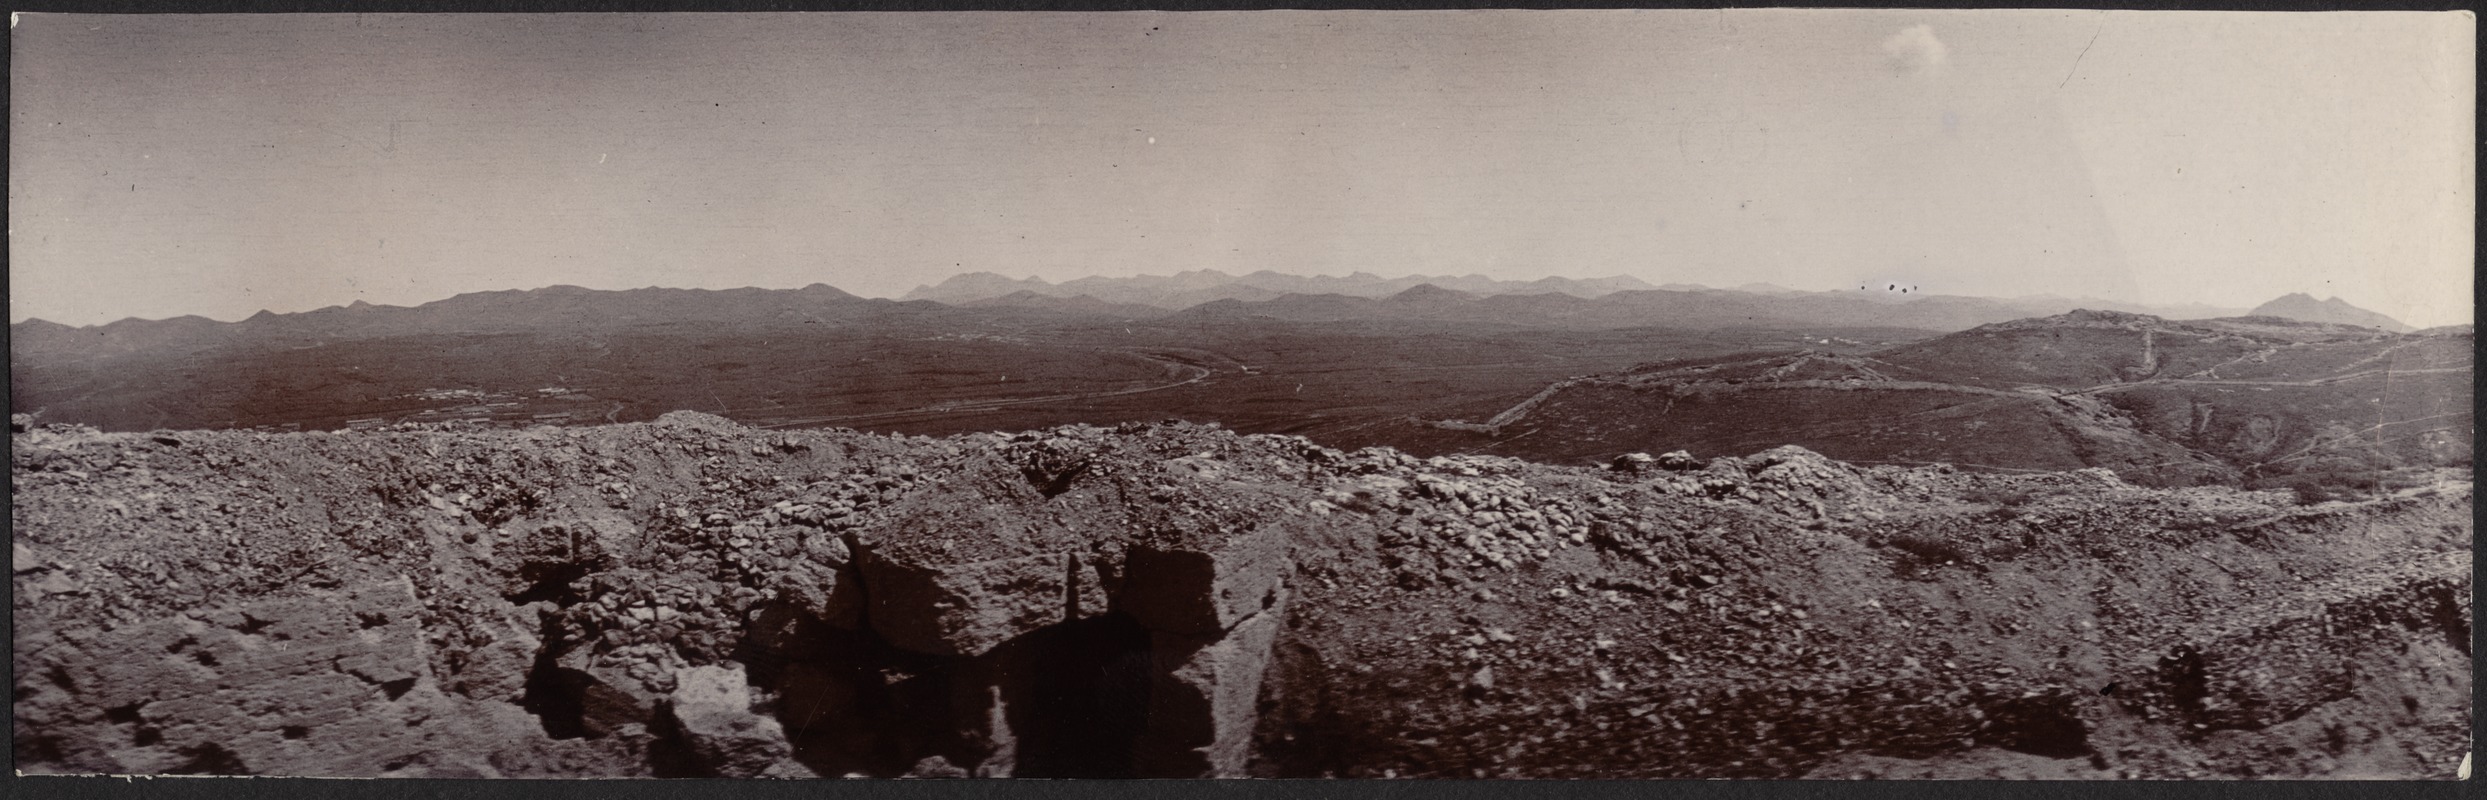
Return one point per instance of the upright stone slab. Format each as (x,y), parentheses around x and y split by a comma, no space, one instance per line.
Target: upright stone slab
(1204,701)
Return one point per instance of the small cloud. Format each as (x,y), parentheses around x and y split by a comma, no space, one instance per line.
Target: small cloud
(1915,51)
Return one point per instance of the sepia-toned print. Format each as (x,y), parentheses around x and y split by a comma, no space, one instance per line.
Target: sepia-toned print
(1761,394)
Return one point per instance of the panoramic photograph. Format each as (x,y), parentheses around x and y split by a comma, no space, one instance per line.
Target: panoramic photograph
(1655,394)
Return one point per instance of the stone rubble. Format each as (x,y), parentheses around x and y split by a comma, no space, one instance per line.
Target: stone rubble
(690,597)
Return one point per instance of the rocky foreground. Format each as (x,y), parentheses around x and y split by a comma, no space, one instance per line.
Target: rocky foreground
(694,598)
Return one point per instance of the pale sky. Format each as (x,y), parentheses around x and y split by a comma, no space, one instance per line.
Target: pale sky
(163,165)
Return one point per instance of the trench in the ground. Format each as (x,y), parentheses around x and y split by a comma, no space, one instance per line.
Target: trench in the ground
(2449,613)
(1303,729)
(2044,725)
(1082,700)
(1070,699)
(556,696)
(1066,700)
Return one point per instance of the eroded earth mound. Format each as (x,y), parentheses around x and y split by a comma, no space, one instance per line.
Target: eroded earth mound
(692,597)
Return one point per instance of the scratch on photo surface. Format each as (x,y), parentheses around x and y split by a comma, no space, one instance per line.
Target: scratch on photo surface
(2085,52)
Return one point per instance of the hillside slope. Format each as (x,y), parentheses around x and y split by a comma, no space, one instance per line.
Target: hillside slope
(1856,408)
(2160,402)
(817,357)
(691,597)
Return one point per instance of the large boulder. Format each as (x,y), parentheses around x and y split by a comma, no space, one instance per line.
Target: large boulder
(711,710)
(965,609)
(326,683)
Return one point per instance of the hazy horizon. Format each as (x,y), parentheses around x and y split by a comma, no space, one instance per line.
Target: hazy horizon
(168,165)
(900,294)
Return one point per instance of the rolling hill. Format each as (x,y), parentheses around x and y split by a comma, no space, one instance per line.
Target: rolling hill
(2158,401)
(817,357)
(1860,376)
(2300,306)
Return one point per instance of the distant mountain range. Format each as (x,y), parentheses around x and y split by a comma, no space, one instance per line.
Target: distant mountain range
(553,309)
(2301,306)
(1196,297)
(1324,297)
(1186,289)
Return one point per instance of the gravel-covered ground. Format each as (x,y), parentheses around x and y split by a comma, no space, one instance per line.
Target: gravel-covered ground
(691,597)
